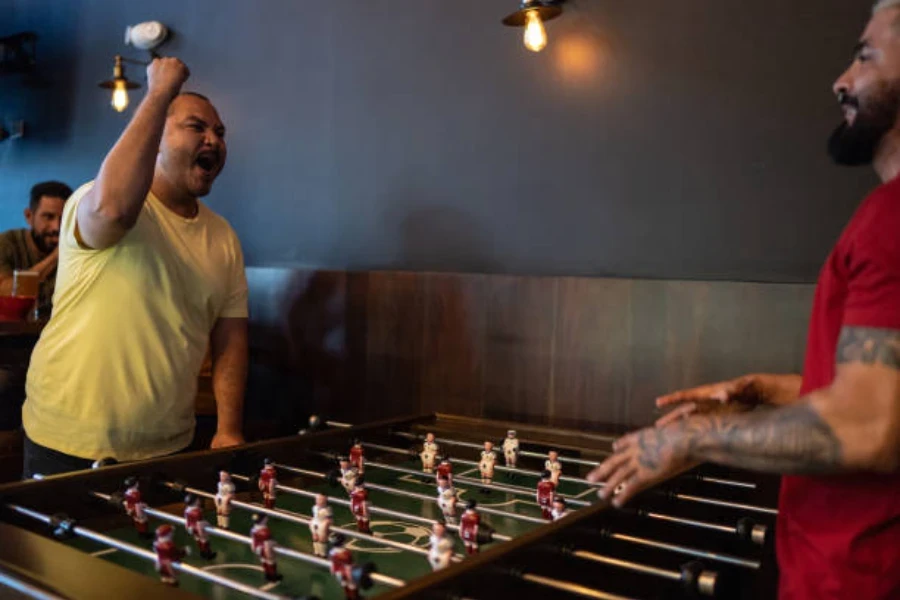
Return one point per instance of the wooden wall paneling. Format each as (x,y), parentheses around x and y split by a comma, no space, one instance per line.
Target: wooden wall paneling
(452,376)
(592,381)
(395,336)
(519,337)
(720,330)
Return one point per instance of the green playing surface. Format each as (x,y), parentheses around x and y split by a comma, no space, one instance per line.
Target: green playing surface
(236,561)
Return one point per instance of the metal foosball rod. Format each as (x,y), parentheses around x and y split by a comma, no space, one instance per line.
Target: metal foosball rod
(299,519)
(576,589)
(236,537)
(692,575)
(523,491)
(676,548)
(69,528)
(399,492)
(568,459)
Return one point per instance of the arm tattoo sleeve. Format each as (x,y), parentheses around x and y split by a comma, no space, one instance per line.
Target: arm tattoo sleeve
(869,346)
(789,440)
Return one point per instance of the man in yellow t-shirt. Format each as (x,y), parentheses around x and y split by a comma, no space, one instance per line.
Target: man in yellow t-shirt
(148,279)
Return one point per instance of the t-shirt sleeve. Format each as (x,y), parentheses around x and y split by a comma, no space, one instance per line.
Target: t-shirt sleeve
(873,291)
(235,306)
(69,224)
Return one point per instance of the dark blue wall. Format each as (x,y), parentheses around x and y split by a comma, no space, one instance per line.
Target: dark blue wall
(651,138)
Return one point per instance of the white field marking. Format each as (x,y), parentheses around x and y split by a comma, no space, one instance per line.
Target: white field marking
(419,534)
(269,586)
(104,552)
(244,566)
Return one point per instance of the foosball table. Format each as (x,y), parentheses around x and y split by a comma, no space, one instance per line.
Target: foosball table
(436,506)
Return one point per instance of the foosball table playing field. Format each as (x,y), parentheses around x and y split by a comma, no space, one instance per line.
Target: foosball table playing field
(437,506)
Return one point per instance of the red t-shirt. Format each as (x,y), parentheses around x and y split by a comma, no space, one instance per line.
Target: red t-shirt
(839,536)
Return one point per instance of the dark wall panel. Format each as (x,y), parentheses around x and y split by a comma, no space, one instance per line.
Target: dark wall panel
(650,138)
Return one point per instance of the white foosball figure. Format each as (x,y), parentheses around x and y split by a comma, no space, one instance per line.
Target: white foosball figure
(559,508)
(553,465)
(349,474)
(224,496)
(511,449)
(197,526)
(429,453)
(320,525)
(447,500)
(441,547)
(487,462)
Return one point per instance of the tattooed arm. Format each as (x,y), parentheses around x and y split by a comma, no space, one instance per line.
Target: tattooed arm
(853,425)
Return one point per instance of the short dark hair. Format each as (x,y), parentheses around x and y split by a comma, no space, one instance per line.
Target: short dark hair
(194,94)
(54,189)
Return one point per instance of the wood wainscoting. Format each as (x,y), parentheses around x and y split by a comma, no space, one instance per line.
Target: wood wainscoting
(559,351)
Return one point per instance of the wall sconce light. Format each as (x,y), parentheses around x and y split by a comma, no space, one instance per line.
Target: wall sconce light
(145,36)
(531,15)
(120,84)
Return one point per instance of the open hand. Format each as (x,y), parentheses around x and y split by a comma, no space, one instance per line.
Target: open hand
(642,459)
(737,395)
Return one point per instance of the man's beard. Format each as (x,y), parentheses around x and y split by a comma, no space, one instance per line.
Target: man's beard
(855,145)
(43,243)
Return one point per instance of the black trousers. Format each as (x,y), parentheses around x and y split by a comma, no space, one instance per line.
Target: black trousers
(40,460)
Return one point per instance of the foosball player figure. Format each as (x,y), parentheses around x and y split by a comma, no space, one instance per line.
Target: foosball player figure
(511,449)
(447,499)
(445,469)
(196,525)
(351,577)
(359,505)
(559,508)
(429,452)
(224,496)
(349,474)
(135,507)
(553,465)
(263,546)
(468,527)
(546,491)
(166,554)
(268,483)
(441,547)
(487,462)
(357,456)
(320,525)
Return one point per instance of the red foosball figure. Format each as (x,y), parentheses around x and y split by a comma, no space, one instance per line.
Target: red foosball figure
(135,506)
(263,546)
(342,566)
(196,525)
(445,469)
(357,455)
(359,505)
(468,527)
(546,490)
(268,483)
(166,554)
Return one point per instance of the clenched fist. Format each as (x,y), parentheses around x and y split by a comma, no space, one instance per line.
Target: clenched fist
(166,75)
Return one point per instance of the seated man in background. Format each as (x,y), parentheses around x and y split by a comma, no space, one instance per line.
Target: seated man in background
(37,248)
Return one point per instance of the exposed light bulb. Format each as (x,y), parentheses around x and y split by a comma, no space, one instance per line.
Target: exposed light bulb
(535,37)
(120,96)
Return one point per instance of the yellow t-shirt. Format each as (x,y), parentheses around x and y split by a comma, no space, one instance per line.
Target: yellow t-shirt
(115,370)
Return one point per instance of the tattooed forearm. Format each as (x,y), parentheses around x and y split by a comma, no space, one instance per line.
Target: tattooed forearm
(869,346)
(792,440)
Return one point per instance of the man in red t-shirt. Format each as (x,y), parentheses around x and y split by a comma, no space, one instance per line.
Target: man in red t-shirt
(835,432)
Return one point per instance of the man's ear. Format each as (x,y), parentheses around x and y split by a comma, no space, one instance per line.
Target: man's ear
(28,215)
